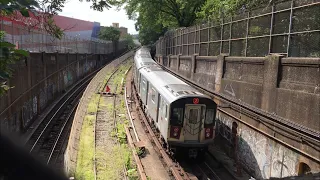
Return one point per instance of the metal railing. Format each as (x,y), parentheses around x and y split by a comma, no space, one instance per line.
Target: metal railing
(291,28)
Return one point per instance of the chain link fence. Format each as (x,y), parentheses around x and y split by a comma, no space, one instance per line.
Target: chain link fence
(35,40)
(291,28)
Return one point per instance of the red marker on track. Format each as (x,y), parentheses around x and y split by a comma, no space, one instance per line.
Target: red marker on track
(107,89)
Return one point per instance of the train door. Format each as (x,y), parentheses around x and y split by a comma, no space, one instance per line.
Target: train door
(192,121)
(137,78)
(159,114)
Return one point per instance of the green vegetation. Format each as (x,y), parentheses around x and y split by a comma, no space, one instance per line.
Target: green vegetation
(122,139)
(93,105)
(139,151)
(129,39)
(85,161)
(8,56)
(121,123)
(154,18)
(113,162)
(212,9)
(109,34)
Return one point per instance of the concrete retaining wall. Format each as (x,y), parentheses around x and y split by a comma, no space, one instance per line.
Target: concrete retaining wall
(39,80)
(285,89)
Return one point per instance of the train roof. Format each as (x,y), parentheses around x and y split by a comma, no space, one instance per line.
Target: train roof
(170,87)
(143,58)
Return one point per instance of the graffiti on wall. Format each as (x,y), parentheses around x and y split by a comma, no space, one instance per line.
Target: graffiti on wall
(43,94)
(67,78)
(259,155)
(229,90)
(88,66)
(28,110)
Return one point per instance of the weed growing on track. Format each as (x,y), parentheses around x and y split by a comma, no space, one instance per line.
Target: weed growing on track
(111,163)
(85,161)
(86,150)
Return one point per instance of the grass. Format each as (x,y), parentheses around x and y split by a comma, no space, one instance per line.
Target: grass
(85,161)
(93,105)
(113,162)
(110,164)
(121,75)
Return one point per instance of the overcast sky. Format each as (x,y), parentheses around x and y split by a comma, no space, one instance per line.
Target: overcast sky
(81,10)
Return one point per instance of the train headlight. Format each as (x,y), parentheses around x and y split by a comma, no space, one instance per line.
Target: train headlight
(208,133)
(175,132)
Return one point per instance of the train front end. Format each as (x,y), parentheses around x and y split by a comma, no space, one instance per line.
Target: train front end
(192,124)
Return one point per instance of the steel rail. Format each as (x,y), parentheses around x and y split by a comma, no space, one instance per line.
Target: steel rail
(130,117)
(175,169)
(54,73)
(63,141)
(41,81)
(140,168)
(114,112)
(212,171)
(56,112)
(62,128)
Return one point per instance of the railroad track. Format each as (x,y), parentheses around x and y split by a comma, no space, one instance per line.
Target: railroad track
(47,140)
(176,170)
(207,169)
(207,172)
(106,121)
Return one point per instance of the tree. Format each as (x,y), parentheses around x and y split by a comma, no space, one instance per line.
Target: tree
(213,9)
(150,29)
(110,34)
(129,39)
(170,13)
(8,55)
(154,17)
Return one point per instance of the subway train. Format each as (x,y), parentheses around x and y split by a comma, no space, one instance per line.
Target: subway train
(183,116)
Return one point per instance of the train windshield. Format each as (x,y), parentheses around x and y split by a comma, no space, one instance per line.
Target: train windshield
(210,114)
(177,116)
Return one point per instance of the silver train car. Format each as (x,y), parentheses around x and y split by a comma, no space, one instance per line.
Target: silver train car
(183,116)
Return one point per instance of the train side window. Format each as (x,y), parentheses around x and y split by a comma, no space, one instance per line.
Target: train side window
(209,116)
(144,85)
(153,95)
(163,109)
(166,109)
